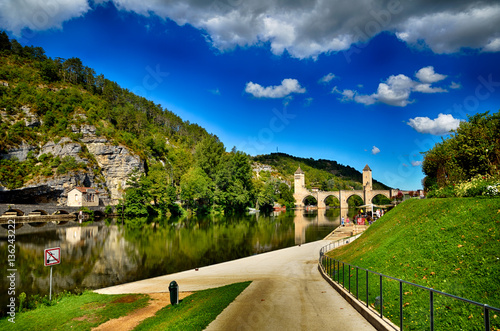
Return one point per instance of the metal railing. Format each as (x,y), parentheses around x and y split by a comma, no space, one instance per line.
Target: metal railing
(335,270)
(337,243)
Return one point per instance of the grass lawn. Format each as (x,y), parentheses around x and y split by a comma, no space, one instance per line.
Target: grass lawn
(194,312)
(451,245)
(83,312)
(78,312)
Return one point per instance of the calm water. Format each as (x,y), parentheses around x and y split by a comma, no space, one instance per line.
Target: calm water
(105,253)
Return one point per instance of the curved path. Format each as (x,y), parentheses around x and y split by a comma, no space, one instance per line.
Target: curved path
(287,292)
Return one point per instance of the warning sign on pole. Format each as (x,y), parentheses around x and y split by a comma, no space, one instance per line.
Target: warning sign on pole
(52,256)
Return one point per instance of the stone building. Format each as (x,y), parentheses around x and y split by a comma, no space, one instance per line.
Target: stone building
(83,197)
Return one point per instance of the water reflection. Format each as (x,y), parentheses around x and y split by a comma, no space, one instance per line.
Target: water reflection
(105,253)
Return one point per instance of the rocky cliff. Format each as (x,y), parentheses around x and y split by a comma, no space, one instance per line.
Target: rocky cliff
(107,168)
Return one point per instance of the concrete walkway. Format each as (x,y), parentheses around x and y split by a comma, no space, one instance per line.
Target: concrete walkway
(287,292)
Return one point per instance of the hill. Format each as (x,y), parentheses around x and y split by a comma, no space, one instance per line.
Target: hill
(449,244)
(325,174)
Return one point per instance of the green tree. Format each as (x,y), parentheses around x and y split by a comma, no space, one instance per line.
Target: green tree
(197,189)
(473,149)
(208,155)
(5,44)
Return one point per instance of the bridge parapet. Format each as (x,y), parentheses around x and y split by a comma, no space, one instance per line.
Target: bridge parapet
(48,208)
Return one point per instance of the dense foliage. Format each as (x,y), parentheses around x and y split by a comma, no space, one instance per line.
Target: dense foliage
(467,163)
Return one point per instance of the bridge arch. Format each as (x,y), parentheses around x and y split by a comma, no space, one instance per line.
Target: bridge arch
(376,199)
(37,212)
(11,211)
(331,200)
(306,199)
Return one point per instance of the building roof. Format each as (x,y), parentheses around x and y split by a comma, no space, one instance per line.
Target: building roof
(86,189)
(367,168)
(299,171)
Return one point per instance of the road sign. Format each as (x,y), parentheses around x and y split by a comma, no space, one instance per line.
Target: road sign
(52,256)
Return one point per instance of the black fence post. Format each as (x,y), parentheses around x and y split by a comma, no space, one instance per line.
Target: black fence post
(432,308)
(367,288)
(381,299)
(357,282)
(400,305)
(486,318)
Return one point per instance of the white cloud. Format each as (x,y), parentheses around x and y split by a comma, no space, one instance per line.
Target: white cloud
(287,87)
(492,46)
(365,99)
(327,78)
(375,150)
(445,30)
(305,29)
(428,76)
(442,125)
(397,89)
(455,86)
(39,15)
(416,163)
(426,88)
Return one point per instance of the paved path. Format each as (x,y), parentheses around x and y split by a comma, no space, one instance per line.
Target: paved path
(287,292)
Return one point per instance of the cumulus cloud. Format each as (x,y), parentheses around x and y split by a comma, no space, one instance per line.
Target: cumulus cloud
(447,31)
(455,86)
(441,125)
(375,150)
(304,29)
(428,76)
(396,90)
(416,163)
(39,15)
(287,87)
(327,78)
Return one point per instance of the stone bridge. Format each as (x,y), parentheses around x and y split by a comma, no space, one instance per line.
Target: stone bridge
(42,209)
(367,194)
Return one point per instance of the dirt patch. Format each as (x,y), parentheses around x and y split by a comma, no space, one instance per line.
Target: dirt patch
(92,305)
(81,318)
(126,299)
(156,302)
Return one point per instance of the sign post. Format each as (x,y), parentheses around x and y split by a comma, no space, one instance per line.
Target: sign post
(51,256)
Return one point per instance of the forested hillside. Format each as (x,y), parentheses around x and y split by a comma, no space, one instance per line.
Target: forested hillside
(64,125)
(324,174)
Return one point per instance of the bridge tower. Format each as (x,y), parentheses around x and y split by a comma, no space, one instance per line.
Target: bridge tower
(367,183)
(367,178)
(299,180)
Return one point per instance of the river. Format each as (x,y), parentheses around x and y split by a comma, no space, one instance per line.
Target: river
(115,251)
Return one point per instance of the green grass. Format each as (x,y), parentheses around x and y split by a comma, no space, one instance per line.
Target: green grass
(78,312)
(194,312)
(451,245)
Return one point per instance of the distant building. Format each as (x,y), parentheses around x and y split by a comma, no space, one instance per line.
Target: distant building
(83,197)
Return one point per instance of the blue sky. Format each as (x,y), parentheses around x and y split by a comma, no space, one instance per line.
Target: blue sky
(359,82)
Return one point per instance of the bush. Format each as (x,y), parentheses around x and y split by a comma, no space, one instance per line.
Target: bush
(480,185)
